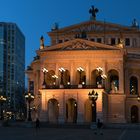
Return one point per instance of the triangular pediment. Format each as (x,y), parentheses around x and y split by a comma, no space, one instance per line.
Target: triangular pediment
(80,44)
(92,26)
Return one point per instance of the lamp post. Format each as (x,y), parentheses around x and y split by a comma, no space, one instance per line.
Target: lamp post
(80,70)
(29,97)
(44,85)
(2,100)
(62,70)
(100,77)
(54,81)
(93,96)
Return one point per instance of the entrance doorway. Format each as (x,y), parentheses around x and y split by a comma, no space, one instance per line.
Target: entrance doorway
(71,111)
(53,110)
(134,114)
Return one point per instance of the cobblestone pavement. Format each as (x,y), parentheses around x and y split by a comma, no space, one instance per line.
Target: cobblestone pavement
(14,133)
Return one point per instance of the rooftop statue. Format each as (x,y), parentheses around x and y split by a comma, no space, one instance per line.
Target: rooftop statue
(41,42)
(93,12)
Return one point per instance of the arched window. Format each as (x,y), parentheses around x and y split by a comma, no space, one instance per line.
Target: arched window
(113,79)
(133,85)
(96,79)
(49,80)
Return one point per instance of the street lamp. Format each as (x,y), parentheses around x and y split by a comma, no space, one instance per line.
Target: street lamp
(62,70)
(2,100)
(80,70)
(100,77)
(44,85)
(54,77)
(29,98)
(93,96)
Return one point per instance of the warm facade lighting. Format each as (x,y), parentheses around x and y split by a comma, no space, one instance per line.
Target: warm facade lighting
(80,69)
(55,76)
(44,70)
(62,69)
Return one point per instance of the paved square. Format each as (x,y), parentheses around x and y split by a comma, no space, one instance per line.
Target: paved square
(15,133)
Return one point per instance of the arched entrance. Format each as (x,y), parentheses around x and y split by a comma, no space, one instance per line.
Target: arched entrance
(71,111)
(134,114)
(53,110)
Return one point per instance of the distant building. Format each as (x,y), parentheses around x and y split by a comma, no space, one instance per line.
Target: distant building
(88,57)
(12,64)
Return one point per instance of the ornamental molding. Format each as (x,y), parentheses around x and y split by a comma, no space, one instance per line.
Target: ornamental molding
(78,46)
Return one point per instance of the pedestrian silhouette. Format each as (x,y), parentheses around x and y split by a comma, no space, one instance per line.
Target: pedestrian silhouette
(99,127)
(37,123)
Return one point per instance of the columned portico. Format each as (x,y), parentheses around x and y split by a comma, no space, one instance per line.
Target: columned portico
(65,98)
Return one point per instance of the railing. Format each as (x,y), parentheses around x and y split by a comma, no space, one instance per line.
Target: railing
(73,87)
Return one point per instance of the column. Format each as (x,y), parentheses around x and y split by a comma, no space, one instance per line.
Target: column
(121,78)
(72,70)
(88,74)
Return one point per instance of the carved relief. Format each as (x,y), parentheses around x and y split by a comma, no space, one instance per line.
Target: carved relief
(77,45)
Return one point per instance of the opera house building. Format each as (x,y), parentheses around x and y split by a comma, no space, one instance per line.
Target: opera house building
(90,70)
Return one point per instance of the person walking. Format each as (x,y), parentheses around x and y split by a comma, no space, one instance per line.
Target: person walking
(37,124)
(99,127)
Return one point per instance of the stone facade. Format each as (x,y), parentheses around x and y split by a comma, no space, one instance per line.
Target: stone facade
(93,55)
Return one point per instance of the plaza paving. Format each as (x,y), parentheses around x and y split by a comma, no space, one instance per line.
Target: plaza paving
(20,133)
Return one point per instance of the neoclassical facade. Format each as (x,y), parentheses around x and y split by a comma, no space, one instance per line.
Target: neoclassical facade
(83,59)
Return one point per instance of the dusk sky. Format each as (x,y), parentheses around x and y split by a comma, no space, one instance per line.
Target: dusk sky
(36,17)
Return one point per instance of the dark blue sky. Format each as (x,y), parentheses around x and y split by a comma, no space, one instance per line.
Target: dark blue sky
(36,17)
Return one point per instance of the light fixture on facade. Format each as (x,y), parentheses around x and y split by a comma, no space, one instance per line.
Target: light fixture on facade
(44,70)
(100,77)
(138,98)
(55,76)
(99,69)
(83,83)
(68,83)
(80,69)
(62,69)
(103,76)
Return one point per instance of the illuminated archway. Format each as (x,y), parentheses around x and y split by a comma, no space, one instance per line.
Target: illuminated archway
(53,110)
(71,111)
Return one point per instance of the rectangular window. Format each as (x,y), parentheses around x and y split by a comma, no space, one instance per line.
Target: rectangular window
(99,40)
(60,41)
(113,41)
(92,39)
(127,42)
